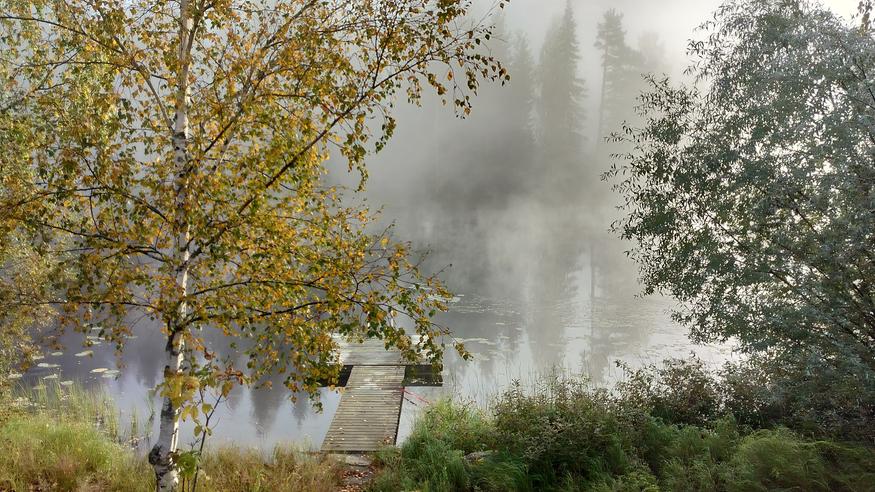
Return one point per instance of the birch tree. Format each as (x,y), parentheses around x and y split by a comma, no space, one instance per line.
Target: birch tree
(182,178)
(24,270)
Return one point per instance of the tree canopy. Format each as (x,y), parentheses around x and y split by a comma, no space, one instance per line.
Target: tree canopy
(179,174)
(751,200)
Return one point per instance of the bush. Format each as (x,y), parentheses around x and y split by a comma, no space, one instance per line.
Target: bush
(562,429)
(434,456)
(804,394)
(678,391)
(567,435)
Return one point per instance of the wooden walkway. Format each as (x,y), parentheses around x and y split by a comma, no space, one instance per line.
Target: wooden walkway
(371,352)
(370,407)
(369,410)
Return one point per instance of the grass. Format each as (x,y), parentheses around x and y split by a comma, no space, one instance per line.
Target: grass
(70,439)
(286,469)
(77,404)
(565,435)
(41,453)
(560,435)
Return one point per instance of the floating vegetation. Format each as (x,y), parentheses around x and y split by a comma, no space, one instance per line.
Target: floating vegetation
(66,383)
(85,353)
(110,374)
(46,365)
(56,354)
(38,357)
(99,370)
(51,376)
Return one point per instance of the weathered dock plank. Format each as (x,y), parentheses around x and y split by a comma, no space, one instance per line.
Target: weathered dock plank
(371,352)
(369,410)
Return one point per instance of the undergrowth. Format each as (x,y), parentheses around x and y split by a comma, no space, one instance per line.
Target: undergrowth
(70,439)
(666,431)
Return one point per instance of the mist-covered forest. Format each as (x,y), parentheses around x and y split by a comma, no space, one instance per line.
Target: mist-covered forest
(526,164)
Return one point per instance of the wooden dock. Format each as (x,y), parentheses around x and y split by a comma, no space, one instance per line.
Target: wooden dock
(370,407)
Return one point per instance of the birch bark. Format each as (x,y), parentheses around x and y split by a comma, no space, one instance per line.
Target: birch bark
(161,455)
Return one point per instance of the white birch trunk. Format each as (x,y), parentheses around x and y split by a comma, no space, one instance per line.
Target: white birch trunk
(161,455)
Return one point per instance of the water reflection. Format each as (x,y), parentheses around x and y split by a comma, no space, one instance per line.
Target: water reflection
(577,315)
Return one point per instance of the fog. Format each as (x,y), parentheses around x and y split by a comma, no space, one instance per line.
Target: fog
(510,205)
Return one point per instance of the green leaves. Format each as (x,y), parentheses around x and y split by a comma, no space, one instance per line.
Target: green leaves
(274,257)
(751,202)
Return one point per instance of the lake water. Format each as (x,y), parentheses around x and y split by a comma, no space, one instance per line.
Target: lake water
(518,318)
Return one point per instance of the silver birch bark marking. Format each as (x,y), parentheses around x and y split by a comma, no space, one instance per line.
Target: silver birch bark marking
(161,455)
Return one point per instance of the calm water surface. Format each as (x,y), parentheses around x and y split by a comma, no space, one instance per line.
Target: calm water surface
(560,313)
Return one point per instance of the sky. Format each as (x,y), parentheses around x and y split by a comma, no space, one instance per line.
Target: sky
(674,20)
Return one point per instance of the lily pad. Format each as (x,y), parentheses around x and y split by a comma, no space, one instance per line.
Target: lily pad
(56,354)
(85,353)
(46,365)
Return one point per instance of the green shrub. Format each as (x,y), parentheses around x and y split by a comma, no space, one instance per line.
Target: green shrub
(562,428)
(777,460)
(678,391)
(803,393)
(564,434)
(638,479)
(433,457)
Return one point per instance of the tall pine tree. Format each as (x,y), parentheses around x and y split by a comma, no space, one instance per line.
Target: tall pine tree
(560,111)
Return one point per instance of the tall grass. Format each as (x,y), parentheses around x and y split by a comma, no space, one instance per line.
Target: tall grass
(285,469)
(40,453)
(73,403)
(69,438)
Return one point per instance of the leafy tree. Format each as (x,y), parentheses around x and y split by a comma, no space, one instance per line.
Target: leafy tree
(24,270)
(751,201)
(183,174)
